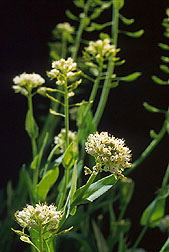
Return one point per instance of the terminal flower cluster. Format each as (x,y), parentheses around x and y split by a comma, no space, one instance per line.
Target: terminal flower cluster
(63,27)
(40,215)
(24,83)
(100,50)
(110,153)
(63,70)
(60,139)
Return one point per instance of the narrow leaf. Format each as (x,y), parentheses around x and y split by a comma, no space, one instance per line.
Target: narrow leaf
(31,126)
(46,183)
(164,68)
(153,109)
(153,213)
(70,15)
(130,77)
(70,155)
(136,34)
(125,20)
(165,59)
(159,81)
(163,46)
(100,240)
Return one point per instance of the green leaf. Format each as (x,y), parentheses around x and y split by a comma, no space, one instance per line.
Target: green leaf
(95,190)
(79,3)
(125,20)
(70,155)
(164,68)
(136,34)
(130,77)
(100,240)
(31,126)
(118,4)
(159,81)
(152,109)
(73,182)
(165,59)
(153,134)
(163,46)
(167,127)
(46,183)
(70,15)
(153,213)
(37,159)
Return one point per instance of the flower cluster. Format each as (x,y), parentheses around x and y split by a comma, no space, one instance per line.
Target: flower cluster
(63,27)
(60,139)
(63,70)
(24,83)
(100,50)
(41,214)
(110,153)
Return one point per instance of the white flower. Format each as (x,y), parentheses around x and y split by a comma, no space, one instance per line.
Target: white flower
(110,153)
(60,139)
(63,70)
(24,83)
(65,27)
(41,214)
(100,50)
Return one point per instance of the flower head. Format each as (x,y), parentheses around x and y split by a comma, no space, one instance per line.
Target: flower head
(110,153)
(63,29)
(60,139)
(99,50)
(63,70)
(41,214)
(24,83)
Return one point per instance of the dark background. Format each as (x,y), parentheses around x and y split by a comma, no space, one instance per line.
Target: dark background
(25,31)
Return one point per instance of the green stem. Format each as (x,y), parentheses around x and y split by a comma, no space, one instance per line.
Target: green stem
(149,149)
(52,153)
(111,66)
(33,140)
(66,175)
(166,177)
(66,111)
(165,246)
(41,239)
(64,46)
(80,31)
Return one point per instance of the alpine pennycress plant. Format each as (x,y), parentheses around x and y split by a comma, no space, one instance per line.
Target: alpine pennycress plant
(59,161)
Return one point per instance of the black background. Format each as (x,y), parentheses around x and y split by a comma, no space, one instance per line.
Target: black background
(25,31)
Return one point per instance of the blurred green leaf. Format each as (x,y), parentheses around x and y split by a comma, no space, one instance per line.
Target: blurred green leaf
(153,109)
(70,15)
(153,134)
(79,3)
(130,77)
(165,59)
(153,213)
(163,46)
(164,68)
(136,34)
(70,155)
(46,183)
(125,20)
(31,126)
(159,81)
(100,240)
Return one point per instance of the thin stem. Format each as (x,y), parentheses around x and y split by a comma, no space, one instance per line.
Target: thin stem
(66,111)
(52,153)
(33,140)
(66,175)
(41,239)
(149,149)
(64,46)
(111,66)
(165,246)
(80,31)
(166,177)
